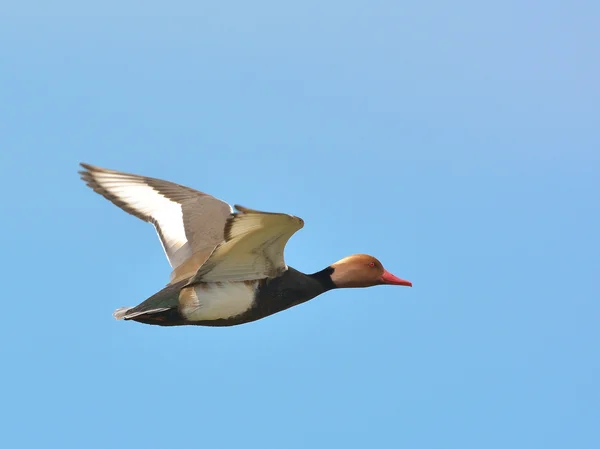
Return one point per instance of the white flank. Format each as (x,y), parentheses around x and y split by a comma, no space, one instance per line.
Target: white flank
(213,301)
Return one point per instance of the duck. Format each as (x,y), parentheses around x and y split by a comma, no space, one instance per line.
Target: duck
(228,265)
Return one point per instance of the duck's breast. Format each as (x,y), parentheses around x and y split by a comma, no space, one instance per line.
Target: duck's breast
(217,300)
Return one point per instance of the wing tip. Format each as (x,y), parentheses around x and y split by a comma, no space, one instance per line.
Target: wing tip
(86,165)
(88,172)
(89,168)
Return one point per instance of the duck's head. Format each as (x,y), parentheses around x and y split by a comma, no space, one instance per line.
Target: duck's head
(362,270)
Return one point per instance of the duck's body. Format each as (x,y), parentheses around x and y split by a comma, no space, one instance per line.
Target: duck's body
(228,268)
(231,303)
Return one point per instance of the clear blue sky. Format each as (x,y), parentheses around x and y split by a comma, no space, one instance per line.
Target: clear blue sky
(458,142)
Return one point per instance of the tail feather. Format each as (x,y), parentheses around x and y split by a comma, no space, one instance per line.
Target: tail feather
(163,301)
(121,312)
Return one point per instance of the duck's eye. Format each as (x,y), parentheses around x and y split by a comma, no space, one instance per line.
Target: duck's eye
(372,264)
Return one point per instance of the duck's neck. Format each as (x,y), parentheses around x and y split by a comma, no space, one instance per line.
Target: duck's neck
(294,287)
(323,278)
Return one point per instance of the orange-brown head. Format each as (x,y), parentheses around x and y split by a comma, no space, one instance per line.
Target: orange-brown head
(362,270)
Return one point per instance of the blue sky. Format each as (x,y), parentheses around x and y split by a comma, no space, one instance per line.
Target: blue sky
(457,142)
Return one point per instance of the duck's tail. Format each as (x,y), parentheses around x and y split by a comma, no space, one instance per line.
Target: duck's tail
(160,307)
(121,312)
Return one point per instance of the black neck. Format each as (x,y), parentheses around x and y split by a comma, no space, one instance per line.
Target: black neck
(291,288)
(323,277)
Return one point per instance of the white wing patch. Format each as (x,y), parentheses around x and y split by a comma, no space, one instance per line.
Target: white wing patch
(253,247)
(166,214)
(188,222)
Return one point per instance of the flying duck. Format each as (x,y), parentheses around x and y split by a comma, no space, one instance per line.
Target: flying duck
(228,267)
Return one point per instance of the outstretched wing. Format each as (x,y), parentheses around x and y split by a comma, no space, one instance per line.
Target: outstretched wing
(253,247)
(189,223)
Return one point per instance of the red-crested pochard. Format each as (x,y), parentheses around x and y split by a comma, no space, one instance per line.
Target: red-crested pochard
(228,267)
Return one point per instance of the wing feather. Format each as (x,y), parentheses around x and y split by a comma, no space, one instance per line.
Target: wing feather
(188,222)
(253,247)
